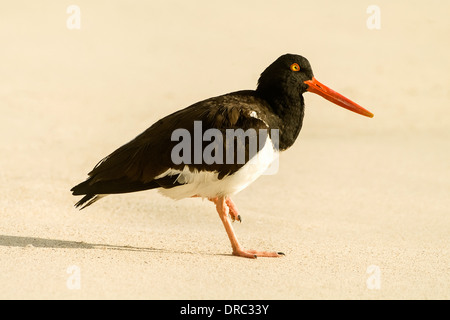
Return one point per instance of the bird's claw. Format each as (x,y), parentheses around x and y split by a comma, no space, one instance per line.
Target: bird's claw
(234,218)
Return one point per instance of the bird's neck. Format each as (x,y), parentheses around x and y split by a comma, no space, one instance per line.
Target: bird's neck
(289,108)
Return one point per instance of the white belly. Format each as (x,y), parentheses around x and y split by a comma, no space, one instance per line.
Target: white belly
(207,184)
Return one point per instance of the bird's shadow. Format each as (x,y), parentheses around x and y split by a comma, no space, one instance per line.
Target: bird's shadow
(19,241)
(35,242)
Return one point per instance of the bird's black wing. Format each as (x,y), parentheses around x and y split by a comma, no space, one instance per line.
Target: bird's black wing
(136,165)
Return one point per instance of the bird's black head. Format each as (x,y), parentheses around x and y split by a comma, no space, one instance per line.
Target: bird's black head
(286,76)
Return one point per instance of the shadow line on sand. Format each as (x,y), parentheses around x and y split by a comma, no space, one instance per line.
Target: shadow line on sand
(20,241)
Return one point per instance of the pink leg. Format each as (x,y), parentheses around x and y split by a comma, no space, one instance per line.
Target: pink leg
(222,209)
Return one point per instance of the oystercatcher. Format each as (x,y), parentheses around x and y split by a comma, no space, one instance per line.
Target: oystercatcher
(206,162)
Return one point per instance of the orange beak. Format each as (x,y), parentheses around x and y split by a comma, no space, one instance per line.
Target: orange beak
(331,95)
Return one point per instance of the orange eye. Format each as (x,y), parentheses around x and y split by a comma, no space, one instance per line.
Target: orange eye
(295,67)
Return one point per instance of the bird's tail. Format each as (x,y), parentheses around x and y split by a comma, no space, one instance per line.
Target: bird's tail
(95,190)
(89,196)
(88,199)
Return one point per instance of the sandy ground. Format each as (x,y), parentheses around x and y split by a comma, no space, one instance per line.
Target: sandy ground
(360,206)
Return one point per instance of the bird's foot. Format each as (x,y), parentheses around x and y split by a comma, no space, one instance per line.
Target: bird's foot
(253,254)
(225,207)
(232,210)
